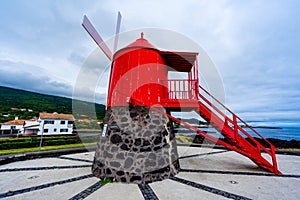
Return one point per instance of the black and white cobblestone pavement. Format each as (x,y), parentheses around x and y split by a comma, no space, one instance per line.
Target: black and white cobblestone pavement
(206,174)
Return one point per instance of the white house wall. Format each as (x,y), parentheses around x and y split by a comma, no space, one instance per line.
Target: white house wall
(55,129)
(7,128)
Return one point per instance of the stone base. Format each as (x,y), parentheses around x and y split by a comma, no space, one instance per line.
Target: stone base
(138,147)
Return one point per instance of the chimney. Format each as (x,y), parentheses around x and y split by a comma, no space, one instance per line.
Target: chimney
(16,118)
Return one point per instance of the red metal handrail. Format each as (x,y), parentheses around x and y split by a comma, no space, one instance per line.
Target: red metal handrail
(191,83)
(247,125)
(233,121)
(239,128)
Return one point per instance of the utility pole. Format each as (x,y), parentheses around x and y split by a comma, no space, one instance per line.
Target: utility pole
(41,140)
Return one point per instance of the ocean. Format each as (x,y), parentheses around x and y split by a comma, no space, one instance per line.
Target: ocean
(283,133)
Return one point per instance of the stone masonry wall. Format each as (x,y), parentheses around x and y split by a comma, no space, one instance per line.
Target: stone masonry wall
(138,147)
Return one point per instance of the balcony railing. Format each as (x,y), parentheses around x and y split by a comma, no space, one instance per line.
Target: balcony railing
(182,89)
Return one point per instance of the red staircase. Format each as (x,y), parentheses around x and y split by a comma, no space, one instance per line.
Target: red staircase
(230,126)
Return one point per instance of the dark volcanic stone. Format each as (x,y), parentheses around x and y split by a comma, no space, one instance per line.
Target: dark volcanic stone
(147,134)
(139,145)
(157,122)
(150,163)
(108,171)
(116,139)
(120,156)
(161,162)
(96,171)
(135,149)
(135,178)
(107,155)
(124,147)
(146,143)
(152,127)
(124,119)
(157,140)
(165,133)
(100,164)
(123,179)
(114,149)
(133,114)
(128,163)
(146,149)
(115,164)
(137,142)
(152,156)
(120,173)
(157,148)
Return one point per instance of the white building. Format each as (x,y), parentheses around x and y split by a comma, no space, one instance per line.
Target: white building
(55,124)
(12,127)
(30,128)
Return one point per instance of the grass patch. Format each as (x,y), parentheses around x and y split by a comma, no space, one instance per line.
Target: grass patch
(45,148)
(184,139)
(296,149)
(105,181)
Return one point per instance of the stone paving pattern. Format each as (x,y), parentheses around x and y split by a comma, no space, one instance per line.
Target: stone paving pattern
(206,174)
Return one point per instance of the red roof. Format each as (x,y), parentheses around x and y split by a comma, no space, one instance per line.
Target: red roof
(15,122)
(56,116)
(178,61)
(141,42)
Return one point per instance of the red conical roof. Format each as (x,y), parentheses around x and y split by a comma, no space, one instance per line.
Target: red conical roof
(141,42)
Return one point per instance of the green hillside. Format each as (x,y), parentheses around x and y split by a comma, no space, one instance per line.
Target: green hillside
(34,103)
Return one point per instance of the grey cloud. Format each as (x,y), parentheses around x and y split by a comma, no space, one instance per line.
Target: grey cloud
(76,59)
(29,77)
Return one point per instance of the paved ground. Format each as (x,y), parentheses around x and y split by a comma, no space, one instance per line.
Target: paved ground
(206,174)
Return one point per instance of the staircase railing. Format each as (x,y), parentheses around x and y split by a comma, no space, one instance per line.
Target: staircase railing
(237,128)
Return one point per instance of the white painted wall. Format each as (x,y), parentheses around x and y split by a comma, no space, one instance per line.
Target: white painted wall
(8,127)
(57,128)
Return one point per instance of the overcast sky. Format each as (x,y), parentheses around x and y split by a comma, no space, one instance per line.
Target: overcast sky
(255,46)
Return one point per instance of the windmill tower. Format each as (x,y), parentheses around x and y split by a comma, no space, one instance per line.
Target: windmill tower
(138,142)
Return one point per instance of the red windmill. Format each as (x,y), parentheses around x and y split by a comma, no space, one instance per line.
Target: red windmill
(137,143)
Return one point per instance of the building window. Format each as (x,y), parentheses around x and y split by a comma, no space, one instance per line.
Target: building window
(70,122)
(46,130)
(55,130)
(13,127)
(49,122)
(62,122)
(63,130)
